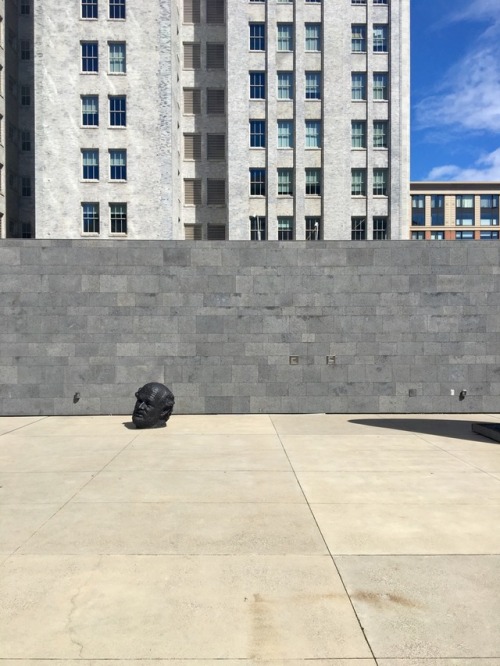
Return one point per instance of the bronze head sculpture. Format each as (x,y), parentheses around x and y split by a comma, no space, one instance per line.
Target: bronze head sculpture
(154,406)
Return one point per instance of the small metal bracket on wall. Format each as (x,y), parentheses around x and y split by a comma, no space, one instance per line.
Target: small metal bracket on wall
(330,360)
(293,360)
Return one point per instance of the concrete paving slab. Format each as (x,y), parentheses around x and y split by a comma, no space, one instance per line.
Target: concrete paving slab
(222,424)
(426,606)
(439,662)
(136,607)
(197,486)
(41,488)
(360,441)
(191,529)
(316,458)
(95,426)
(176,442)
(316,424)
(18,522)
(406,529)
(193,662)
(216,456)
(399,487)
(15,423)
(487,461)
(43,454)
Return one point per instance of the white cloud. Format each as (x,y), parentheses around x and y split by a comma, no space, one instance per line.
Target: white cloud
(487,168)
(469,96)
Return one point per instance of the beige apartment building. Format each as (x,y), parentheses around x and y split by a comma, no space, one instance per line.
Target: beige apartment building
(454,211)
(209,119)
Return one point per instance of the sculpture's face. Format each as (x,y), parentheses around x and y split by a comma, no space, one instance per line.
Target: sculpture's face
(149,409)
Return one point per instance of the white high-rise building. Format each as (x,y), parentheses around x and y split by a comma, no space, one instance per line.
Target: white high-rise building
(215,119)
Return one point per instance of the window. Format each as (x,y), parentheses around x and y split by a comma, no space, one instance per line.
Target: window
(215,11)
(313,182)
(358,182)
(313,2)
(285,37)
(26,186)
(257,134)
(26,230)
(258,228)
(358,228)
(257,85)
(418,210)
(285,228)
(192,232)
(257,36)
(380,177)
(313,228)
(379,39)
(118,111)
(89,57)
(380,86)
(25,140)
(216,231)
(380,134)
(260,1)
(380,228)
(116,9)
(488,235)
(192,101)
(358,85)
(118,164)
(285,133)
(25,49)
(489,218)
(191,11)
(258,182)
(313,85)
(118,218)
(285,85)
(489,200)
(216,101)
(437,235)
(192,146)
(192,55)
(117,59)
(437,210)
(313,36)
(313,134)
(26,7)
(216,192)
(465,200)
(25,96)
(464,235)
(358,2)
(89,9)
(90,213)
(358,134)
(285,182)
(358,38)
(192,191)
(418,235)
(464,219)
(380,2)
(90,111)
(216,147)
(90,164)
(216,55)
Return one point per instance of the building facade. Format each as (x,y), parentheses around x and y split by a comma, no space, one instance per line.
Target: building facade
(211,119)
(454,211)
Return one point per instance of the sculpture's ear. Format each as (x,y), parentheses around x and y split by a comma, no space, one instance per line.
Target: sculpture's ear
(166,412)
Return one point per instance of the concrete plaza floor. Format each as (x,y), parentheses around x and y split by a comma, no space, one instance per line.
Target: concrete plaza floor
(348,540)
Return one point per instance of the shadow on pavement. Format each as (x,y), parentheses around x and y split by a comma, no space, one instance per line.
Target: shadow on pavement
(443,428)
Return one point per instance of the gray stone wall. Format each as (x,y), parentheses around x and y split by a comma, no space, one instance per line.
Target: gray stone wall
(407,323)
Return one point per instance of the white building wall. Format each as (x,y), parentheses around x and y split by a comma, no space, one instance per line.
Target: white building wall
(60,136)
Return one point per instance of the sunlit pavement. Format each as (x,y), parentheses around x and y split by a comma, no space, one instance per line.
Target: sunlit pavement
(249,538)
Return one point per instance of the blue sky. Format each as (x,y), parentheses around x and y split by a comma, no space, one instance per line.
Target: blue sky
(455,56)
